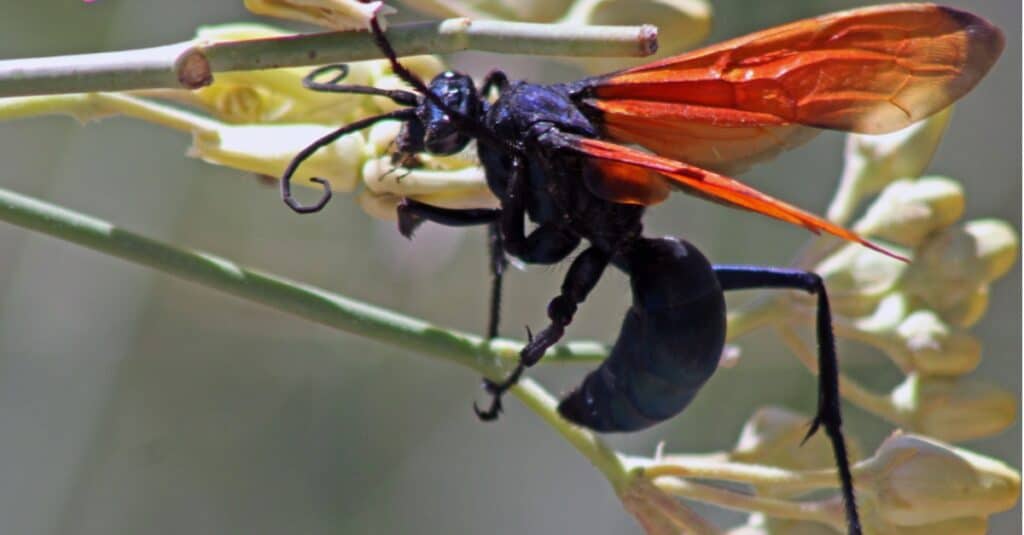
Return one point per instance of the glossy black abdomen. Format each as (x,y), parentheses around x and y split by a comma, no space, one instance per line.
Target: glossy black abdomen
(669,345)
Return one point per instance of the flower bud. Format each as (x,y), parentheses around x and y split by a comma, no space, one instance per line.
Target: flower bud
(951,265)
(268,149)
(908,210)
(917,340)
(917,481)
(858,278)
(331,14)
(997,245)
(967,312)
(932,347)
(872,162)
(953,409)
(772,437)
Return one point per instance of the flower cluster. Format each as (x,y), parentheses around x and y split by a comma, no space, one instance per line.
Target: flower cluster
(919,313)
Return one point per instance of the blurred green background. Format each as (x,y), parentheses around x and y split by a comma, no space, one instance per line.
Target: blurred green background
(131,402)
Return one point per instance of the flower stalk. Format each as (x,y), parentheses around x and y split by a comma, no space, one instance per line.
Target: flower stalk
(193,64)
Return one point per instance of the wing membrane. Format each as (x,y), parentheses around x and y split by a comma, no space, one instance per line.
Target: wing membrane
(626,175)
(872,71)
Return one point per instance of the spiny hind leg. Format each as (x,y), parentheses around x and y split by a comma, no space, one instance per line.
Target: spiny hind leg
(829,415)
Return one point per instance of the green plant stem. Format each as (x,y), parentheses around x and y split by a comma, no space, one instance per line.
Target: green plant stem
(320,306)
(600,455)
(192,64)
(296,298)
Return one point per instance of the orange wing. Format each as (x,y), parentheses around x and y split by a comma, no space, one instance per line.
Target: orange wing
(635,177)
(872,71)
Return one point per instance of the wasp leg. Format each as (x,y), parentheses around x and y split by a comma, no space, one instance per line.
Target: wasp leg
(828,414)
(411,214)
(583,275)
(498,265)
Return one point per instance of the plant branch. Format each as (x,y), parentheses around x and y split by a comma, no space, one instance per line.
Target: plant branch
(192,64)
(295,298)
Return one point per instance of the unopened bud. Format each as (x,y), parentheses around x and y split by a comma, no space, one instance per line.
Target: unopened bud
(872,162)
(997,245)
(951,265)
(953,408)
(917,481)
(967,312)
(858,278)
(917,340)
(934,348)
(772,436)
(909,210)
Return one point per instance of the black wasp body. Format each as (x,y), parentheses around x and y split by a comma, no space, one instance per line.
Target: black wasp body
(672,337)
(528,140)
(673,334)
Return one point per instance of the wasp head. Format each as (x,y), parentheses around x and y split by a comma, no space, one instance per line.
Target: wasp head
(433,130)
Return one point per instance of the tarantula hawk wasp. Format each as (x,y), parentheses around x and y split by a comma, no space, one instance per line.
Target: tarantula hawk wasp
(555,154)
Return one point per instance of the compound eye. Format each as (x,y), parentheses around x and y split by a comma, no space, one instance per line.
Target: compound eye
(450,143)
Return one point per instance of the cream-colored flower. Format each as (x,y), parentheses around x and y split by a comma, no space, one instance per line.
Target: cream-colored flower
(916,481)
(953,408)
(909,210)
(872,162)
(268,149)
(951,265)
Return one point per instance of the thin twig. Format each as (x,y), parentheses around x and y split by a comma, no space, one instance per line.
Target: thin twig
(296,298)
(192,64)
